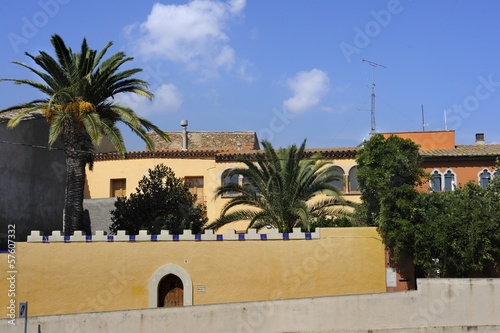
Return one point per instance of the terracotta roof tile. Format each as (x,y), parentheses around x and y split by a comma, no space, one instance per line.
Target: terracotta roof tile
(168,153)
(490,150)
(327,153)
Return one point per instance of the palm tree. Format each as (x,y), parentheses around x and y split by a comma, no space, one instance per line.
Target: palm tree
(282,189)
(79,90)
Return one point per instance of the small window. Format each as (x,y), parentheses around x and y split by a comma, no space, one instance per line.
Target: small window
(484,178)
(195,185)
(436,181)
(449,181)
(230,179)
(118,188)
(353,182)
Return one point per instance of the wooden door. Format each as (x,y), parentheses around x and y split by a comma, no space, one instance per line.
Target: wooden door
(170,292)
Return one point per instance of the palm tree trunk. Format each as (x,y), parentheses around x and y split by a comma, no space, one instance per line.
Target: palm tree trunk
(73,202)
(79,151)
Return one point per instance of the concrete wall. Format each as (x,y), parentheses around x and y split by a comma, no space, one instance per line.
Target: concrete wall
(32,180)
(79,276)
(439,305)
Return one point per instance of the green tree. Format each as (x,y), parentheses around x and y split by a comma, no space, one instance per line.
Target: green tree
(456,233)
(79,105)
(385,165)
(161,202)
(461,229)
(283,189)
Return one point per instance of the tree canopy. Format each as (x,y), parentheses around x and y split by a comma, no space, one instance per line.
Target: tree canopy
(281,188)
(79,104)
(456,232)
(161,202)
(385,165)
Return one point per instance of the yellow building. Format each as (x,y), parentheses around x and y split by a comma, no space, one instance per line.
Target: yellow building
(202,159)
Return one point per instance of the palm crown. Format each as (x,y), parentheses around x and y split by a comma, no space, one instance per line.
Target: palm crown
(79,89)
(282,189)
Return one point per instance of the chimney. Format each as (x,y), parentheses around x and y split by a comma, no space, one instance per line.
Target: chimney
(184,124)
(479,138)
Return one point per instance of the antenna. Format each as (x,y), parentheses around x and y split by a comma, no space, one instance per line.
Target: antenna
(445,121)
(373,64)
(423,121)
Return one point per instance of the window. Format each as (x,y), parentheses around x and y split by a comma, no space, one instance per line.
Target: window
(353,182)
(246,181)
(484,178)
(449,181)
(118,188)
(195,185)
(230,179)
(443,182)
(339,183)
(436,181)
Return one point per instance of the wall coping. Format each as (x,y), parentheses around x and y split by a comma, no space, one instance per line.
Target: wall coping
(143,236)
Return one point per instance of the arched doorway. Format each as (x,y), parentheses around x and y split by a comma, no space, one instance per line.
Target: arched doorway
(155,290)
(170,291)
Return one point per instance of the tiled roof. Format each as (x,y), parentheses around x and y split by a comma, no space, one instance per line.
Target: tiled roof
(208,140)
(326,153)
(227,155)
(220,155)
(169,153)
(463,151)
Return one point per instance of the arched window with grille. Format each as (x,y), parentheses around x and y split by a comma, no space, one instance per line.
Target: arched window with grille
(436,181)
(449,180)
(484,178)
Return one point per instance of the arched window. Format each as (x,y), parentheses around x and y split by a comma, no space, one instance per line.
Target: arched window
(340,182)
(449,180)
(353,182)
(436,181)
(484,178)
(170,291)
(229,179)
(247,181)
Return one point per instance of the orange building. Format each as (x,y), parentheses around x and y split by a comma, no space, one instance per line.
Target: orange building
(450,165)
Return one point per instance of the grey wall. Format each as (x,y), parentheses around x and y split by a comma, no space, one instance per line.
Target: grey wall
(99,213)
(439,305)
(32,180)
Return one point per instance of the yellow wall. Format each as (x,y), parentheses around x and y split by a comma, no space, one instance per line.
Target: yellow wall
(98,180)
(60,278)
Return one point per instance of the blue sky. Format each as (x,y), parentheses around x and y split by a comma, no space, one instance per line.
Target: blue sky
(286,69)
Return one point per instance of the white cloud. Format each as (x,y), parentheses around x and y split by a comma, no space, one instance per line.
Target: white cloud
(308,89)
(193,34)
(167,99)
